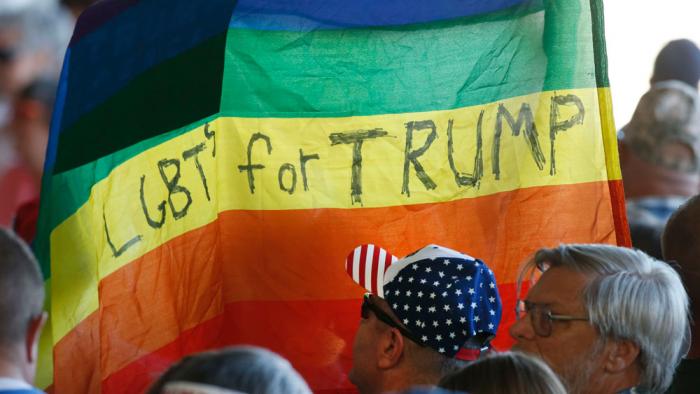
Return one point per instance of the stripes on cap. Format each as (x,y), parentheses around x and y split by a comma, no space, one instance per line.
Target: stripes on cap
(367,264)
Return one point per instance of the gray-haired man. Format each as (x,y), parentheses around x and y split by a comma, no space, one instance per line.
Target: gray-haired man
(606,319)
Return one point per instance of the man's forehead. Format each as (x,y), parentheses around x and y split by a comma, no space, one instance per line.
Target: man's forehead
(558,285)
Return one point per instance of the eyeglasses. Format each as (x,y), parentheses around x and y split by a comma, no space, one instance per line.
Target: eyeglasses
(541,317)
(368,305)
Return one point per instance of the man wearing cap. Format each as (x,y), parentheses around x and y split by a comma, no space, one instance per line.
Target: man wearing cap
(423,314)
(660,146)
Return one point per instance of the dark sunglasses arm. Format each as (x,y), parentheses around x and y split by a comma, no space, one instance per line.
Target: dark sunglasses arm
(382,316)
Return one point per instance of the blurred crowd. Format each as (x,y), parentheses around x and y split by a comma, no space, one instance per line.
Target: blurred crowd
(34,35)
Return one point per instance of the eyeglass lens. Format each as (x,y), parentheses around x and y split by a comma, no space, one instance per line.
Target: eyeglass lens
(539,317)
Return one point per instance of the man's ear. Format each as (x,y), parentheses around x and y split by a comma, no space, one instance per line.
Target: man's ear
(33,334)
(390,348)
(620,355)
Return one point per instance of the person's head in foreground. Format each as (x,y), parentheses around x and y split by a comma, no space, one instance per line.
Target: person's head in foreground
(681,243)
(604,318)
(504,373)
(21,310)
(424,314)
(238,369)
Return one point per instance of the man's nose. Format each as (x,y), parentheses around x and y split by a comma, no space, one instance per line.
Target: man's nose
(522,329)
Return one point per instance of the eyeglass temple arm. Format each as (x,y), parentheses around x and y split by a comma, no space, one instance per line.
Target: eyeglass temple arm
(567,317)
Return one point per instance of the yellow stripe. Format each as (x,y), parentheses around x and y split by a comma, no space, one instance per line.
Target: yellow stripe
(612,157)
(44,369)
(81,253)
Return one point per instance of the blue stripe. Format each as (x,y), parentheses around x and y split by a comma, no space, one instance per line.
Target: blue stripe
(308,15)
(59,106)
(139,38)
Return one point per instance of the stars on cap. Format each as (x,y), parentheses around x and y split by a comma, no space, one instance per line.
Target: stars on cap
(442,296)
(448,299)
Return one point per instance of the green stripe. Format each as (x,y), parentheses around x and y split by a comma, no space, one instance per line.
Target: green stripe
(426,67)
(600,51)
(177,92)
(63,194)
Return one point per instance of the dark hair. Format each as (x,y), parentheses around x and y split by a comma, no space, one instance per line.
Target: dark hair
(77,3)
(647,238)
(42,90)
(504,373)
(243,368)
(681,244)
(679,60)
(21,288)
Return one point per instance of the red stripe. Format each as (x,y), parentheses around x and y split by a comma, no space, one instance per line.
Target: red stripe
(375,270)
(617,199)
(349,262)
(316,337)
(363,258)
(388,261)
(468,354)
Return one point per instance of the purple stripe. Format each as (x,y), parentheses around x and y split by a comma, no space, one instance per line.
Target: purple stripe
(98,14)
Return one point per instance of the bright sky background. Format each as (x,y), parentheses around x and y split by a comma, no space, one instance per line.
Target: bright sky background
(635,31)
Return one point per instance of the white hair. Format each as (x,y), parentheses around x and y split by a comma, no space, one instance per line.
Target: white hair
(247,369)
(631,296)
(44,27)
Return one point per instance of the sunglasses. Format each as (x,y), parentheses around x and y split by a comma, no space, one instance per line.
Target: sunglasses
(368,306)
(541,317)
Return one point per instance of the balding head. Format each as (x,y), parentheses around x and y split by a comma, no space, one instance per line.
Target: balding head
(21,288)
(21,305)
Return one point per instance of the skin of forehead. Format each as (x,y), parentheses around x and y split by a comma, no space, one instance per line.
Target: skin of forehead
(559,287)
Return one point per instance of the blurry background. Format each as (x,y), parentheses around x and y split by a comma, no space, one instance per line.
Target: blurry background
(635,32)
(34,35)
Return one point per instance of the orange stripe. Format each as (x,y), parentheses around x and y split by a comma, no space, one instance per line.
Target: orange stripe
(75,359)
(299,255)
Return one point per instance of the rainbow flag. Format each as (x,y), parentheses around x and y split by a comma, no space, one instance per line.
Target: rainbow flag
(211,164)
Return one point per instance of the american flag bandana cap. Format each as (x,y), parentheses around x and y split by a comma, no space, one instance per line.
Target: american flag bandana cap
(448,299)
(367,264)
